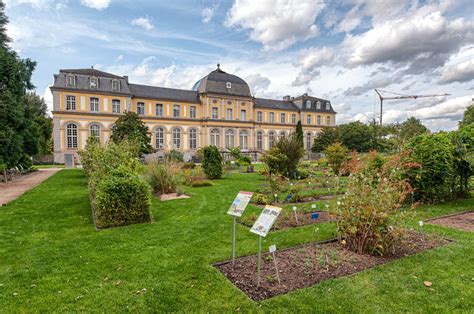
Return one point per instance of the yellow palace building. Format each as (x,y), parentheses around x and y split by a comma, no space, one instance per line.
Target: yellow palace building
(219,110)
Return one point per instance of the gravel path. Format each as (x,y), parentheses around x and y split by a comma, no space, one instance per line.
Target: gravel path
(11,190)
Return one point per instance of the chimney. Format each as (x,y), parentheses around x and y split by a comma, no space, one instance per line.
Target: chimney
(287,98)
(126,78)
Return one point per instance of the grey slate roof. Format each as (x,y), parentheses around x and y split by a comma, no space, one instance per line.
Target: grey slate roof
(144,91)
(91,72)
(216,82)
(83,81)
(274,104)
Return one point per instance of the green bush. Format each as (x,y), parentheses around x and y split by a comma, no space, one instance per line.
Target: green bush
(121,198)
(212,162)
(161,177)
(174,156)
(244,160)
(434,178)
(275,161)
(201,183)
(261,199)
(190,176)
(337,155)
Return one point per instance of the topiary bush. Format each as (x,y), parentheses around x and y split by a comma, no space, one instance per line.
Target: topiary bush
(121,198)
(212,162)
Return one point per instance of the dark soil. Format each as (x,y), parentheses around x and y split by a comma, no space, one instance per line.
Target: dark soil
(287,220)
(463,221)
(309,264)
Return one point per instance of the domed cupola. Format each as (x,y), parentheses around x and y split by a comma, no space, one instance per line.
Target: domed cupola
(220,82)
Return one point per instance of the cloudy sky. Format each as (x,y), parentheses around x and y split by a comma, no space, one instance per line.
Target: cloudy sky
(338,50)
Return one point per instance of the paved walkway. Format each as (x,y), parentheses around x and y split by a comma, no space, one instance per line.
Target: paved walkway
(13,189)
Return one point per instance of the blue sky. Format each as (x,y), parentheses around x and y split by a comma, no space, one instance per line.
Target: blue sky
(339,50)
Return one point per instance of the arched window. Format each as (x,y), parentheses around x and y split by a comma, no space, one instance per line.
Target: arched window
(176,138)
(308,140)
(159,138)
(71,135)
(215,137)
(243,136)
(271,139)
(192,139)
(259,140)
(282,134)
(229,139)
(94,132)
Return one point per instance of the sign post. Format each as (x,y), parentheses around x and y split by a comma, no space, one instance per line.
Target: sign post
(272,250)
(296,215)
(236,210)
(261,227)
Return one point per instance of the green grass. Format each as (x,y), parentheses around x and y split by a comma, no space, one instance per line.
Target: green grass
(46,166)
(52,259)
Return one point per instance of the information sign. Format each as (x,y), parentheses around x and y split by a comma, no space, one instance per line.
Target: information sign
(266,220)
(240,203)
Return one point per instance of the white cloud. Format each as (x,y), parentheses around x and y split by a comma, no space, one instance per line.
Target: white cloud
(38,4)
(96,4)
(207,14)
(143,22)
(276,24)
(48,98)
(310,60)
(258,84)
(461,72)
(342,108)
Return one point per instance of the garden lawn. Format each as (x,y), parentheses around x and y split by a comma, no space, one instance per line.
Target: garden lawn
(52,258)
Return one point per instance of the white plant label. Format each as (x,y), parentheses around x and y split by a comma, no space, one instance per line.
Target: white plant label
(272,248)
(266,220)
(240,203)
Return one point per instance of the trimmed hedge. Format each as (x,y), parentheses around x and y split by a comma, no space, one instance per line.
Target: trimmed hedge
(212,162)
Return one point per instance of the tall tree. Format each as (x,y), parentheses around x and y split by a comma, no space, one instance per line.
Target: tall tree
(327,136)
(129,126)
(410,128)
(468,116)
(299,133)
(15,80)
(357,136)
(42,128)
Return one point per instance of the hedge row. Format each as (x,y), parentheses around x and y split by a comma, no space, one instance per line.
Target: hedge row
(119,195)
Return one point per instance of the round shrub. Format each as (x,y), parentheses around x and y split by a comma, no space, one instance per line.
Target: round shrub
(120,199)
(212,162)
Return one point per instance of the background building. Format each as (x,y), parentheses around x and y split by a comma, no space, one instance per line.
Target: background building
(219,110)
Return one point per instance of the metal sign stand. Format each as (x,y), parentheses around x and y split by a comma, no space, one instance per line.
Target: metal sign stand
(259,261)
(272,251)
(233,241)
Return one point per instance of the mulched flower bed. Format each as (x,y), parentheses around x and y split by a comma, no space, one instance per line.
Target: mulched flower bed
(288,220)
(463,221)
(309,264)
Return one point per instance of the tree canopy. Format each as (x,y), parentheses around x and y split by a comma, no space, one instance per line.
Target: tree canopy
(129,126)
(299,133)
(468,116)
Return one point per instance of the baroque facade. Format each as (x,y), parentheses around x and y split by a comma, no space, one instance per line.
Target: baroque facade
(219,110)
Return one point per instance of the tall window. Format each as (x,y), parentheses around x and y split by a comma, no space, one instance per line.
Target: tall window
(229,139)
(94,132)
(229,115)
(94,104)
(176,138)
(159,110)
(70,102)
(71,135)
(192,112)
(115,85)
(116,106)
(70,80)
(259,116)
(192,139)
(243,137)
(215,137)
(318,105)
(293,118)
(282,134)
(159,138)
(176,111)
(328,106)
(140,108)
(215,113)
(308,119)
(282,117)
(328,120)
(259,140)
(308,141)
(271,117)
(243,115)
(319,120)
(271,139)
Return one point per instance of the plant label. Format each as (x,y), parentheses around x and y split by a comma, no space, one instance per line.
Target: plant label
(266,220)
(313,206)
(240,203)
(294,208)
(272,248)
(314,215)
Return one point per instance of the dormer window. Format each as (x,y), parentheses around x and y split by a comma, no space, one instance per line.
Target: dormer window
(318,105)
(328,106)
(115,85)
(308,104)
(71,80)
(94,83)
(228,85)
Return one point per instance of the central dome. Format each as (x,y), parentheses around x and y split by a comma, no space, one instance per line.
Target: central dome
(220,82)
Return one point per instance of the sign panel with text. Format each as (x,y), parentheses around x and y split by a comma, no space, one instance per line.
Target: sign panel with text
(240,203)
(266,220)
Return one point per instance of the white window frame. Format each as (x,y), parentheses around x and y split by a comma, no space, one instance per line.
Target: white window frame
(177,134)
(192,138)
(140,108)
(96,80)
(159,138)
(215,138)
(309,119)
(159,110)
(282,117)
(94,104)
(328,106)
(229,114)
(70,80)
(319,120)
(308,104)
(318,105)
(116,106)
(243,115)
(192,112)
(176,111)
(229,139)
(228,85)
(271,117)
(94,131)
(308,141)
(259,116)
(243,139)
(71,102)
(259,137)
(271,139)
(293,118)
(328,120)
(215,113)
(72,134)
(282,135)
(116,85)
